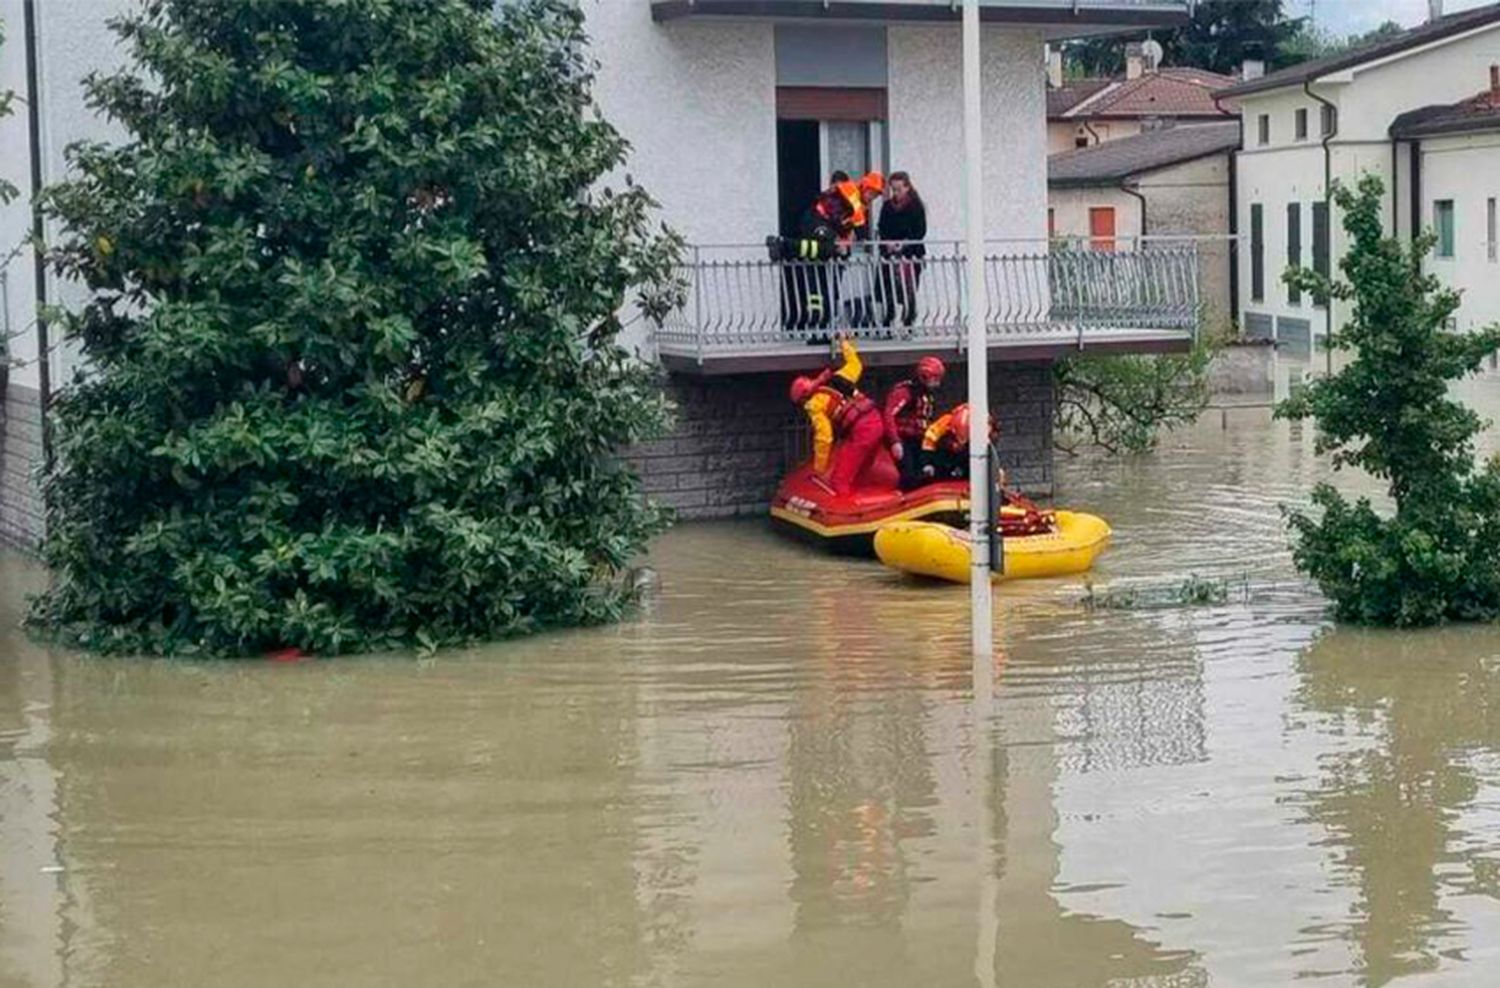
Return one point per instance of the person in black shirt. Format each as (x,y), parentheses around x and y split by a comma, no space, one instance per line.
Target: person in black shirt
(902,228)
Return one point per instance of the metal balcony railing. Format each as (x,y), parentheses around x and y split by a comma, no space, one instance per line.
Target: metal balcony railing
(738,301)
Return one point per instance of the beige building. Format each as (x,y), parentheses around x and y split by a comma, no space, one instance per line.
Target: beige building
(1167,183)
(1085,112)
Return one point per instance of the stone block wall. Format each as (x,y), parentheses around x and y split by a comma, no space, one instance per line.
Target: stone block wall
(20,455)
(737,435)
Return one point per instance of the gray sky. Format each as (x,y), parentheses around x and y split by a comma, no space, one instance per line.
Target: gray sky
(1342,17)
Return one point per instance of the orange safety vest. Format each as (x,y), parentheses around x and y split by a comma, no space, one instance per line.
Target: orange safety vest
(849,192)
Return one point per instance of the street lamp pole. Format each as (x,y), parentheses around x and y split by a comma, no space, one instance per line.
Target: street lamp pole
(980,599)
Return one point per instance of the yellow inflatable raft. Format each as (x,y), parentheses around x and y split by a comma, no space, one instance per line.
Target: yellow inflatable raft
(928,549)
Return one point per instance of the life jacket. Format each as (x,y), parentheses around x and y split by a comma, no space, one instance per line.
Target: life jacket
(843,206)
(916,415)
(846,406)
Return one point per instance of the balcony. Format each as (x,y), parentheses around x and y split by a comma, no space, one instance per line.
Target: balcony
(744,313)
(1057,18)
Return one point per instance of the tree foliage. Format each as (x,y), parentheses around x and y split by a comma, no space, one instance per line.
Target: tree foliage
(1387,412)
(8,192)
(1219,37)
(1122,404)
(353,372)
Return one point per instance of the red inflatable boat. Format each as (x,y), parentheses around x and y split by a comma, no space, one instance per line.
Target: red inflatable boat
(806,508)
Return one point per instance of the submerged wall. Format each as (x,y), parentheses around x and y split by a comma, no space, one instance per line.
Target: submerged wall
(737,435)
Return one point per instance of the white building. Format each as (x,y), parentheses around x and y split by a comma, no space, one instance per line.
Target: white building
(737,112)
(1449,159)
(1331,119)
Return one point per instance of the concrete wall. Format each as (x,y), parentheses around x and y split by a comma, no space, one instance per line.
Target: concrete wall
(1445,73)
(736,437)
(1192,199)
(1070,210)
(926,126)
(1465,169)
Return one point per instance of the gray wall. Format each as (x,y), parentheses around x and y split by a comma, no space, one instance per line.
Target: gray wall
(736,436)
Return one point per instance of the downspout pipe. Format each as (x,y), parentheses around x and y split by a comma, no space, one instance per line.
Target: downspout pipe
(1333,113)
(1234,219)
(1131,190)
(34,129)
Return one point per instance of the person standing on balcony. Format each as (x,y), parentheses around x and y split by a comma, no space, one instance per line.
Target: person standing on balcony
(827,228)
(846,425)
(907,415)
(902,228)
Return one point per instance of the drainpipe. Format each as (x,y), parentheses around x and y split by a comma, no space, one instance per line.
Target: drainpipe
(1092,133)
(34,128)
(1234,220)
(1327,211)
(1128,190)
(1395,189)
(1416,189)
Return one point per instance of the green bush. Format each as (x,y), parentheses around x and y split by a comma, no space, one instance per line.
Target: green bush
(353,379)
(1387,412)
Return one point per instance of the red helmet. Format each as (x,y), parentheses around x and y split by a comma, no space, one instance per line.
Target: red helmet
(802,389)
(930,371)
(960,431)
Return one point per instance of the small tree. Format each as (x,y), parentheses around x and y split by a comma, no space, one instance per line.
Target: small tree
(1387,412)
(352,371)
(1122,404)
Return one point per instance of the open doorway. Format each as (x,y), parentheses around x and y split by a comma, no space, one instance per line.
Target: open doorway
(809,151)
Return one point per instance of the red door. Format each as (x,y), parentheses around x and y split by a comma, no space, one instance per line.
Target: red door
(1102,227)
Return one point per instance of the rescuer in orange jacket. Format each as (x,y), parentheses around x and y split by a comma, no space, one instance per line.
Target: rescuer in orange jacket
(945,445)
(907,414)
(827,228)
(846,425)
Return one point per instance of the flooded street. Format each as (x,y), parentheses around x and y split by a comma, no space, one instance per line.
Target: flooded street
(769,777)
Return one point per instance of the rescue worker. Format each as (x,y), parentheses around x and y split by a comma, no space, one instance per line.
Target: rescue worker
(846,425)
(827,228)
(945,445)
(907,414)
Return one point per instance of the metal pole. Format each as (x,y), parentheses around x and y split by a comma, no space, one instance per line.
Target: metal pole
(980,601)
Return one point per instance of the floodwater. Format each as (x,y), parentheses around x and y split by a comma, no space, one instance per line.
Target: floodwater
(775,775)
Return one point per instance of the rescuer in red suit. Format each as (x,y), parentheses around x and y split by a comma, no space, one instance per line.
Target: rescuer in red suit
(907,414)
(847,427)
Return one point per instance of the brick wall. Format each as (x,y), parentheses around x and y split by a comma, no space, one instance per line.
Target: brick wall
(737,435)
(20,454)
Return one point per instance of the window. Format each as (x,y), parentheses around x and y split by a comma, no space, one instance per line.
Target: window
(1263,129)
(1492,249)
(1081,141)
(1293,248)
(1328,120)
(1442,223)
(1320,238)
(1257,253)
(1302,124)
(1051,222)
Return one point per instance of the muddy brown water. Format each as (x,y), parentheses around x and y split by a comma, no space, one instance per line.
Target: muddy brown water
(774,775)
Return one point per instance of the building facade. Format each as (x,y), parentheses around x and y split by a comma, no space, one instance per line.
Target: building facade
(737,112)
(1329,120)
(1167,186)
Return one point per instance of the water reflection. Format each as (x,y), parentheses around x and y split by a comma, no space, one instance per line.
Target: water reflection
(775,775)
(1407,796)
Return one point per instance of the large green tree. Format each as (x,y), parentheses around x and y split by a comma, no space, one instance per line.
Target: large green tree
(352,377)
(1219,37)
(1388,413)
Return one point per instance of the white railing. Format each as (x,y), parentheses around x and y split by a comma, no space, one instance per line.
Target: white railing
(738,300)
